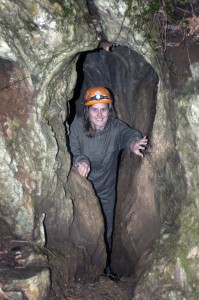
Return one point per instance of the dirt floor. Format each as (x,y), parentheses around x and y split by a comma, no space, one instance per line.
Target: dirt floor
(103,289)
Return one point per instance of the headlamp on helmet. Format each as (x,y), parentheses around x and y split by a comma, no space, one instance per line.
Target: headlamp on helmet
(96,95)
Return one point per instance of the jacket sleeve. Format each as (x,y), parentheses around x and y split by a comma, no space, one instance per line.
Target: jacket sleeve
(74,142)
(127,135)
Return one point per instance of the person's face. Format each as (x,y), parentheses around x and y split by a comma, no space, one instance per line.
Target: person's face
(98,115)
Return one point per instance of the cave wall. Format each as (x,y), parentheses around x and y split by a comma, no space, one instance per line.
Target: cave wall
(175,254)
(39,46)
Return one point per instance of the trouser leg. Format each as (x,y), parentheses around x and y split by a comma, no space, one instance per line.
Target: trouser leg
(108,207)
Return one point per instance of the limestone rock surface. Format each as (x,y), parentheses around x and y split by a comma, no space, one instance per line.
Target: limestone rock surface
(45,206)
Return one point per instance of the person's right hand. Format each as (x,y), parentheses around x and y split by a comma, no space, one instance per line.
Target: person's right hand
(83,168)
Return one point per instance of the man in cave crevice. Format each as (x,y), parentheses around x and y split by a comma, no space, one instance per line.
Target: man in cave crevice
(96,139)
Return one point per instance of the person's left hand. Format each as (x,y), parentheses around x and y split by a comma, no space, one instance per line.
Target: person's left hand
(138,146)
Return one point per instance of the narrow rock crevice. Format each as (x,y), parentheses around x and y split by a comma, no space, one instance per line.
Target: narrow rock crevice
(133,83)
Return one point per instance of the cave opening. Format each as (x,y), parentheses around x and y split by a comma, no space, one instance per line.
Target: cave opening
(133,83)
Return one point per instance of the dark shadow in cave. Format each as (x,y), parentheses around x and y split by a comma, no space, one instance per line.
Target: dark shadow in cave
(133,83)
(78,87)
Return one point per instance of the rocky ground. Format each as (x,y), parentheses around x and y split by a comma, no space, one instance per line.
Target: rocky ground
(13,253)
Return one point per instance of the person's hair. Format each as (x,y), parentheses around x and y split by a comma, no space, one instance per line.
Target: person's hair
(89,129)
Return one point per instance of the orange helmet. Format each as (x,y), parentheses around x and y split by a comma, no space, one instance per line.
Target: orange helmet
(96,95)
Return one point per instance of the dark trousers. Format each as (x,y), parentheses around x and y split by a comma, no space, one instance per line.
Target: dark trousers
(107,201)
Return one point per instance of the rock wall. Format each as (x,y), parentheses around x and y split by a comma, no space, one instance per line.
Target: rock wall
(39,45)
(40,208)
